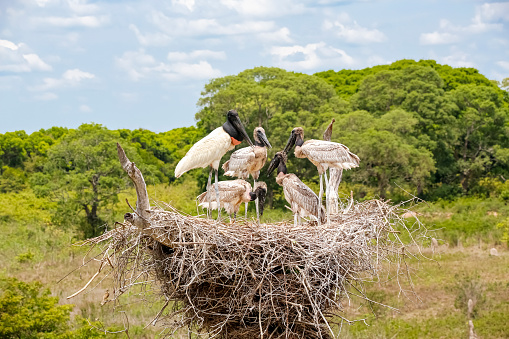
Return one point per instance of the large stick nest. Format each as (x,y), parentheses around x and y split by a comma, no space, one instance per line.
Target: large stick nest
(245,280)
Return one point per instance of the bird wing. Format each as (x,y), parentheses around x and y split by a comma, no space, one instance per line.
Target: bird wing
(332,153)
(230,192)
(297,192)
(238,164)
(208,151)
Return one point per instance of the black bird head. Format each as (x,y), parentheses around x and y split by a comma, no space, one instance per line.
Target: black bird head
(233,126)
(296,138)
(279,161)
(260,192)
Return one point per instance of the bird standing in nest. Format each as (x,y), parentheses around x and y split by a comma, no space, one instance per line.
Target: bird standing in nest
(232,194)
(249,161)
(303,201)
(209,150)
(323,154)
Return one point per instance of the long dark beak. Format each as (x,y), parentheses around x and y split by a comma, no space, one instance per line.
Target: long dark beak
(290,143)
(261,194)
(273,165)
(240,128)
(263,139)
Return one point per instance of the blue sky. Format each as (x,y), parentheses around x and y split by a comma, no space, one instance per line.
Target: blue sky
(143,64)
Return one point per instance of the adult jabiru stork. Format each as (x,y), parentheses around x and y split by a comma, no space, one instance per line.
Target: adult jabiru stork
(232,194)
(209,150)
(323,154)
(249,161)
(303,201)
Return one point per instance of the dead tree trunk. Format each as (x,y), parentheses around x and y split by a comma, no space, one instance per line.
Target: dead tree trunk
(141,218)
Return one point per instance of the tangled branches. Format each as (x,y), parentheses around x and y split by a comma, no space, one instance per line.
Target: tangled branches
(246,280)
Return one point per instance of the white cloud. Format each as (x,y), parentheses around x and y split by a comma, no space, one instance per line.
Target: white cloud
(136,63)
(350,31)
(90,21)
(458,59)
(140,65)
(483,21)
(181,70)
(504,64)
(494,11)
(436,38)
(18,58)
(47,96)
(82,7)
(187,4)
(375,60)
(198,54)
(264,8)
(8,44)
(279,36)
(178,26)
(70,78)
(35,62)
(85,109)
(150,39)
(311,56)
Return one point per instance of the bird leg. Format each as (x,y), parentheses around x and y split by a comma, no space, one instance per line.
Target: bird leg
(295,219)
(320,200)
(217,196)
(210,177)
(327,196)
(246,211)
(256,204)
(208,186)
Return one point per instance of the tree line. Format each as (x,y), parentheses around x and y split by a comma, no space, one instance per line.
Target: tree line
(433,130)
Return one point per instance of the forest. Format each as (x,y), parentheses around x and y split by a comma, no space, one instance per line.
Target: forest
(424,131)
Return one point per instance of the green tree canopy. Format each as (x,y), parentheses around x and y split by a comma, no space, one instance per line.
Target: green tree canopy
(272,98)
(83,174)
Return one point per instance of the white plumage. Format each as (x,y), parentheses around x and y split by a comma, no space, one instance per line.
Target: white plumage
(209,150)
(303,201)
(231,194)
(248,160)
(327,154)
(323,154)
(206,152)
(335,176)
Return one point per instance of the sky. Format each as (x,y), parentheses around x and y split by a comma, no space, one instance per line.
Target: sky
(143,64)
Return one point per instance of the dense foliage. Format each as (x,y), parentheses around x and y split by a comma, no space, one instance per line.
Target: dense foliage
(28,311)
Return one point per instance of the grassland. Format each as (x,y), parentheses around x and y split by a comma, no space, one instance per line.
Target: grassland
(462,267)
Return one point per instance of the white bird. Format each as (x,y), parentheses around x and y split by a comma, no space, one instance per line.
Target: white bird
(232,194)
(303,201)
(209,150)
(323,154)
(249,161)
(335,176)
